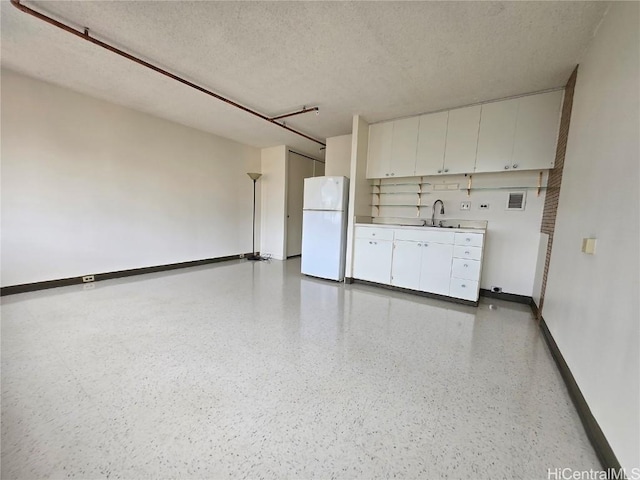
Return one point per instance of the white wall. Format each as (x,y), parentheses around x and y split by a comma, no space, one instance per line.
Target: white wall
(338,156)
(359,198)
(591,301)
(513,237)
(273,233)
(91,187)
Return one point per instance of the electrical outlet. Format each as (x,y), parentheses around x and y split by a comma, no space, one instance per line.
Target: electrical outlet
(483,206)
(465,205)
(88,278)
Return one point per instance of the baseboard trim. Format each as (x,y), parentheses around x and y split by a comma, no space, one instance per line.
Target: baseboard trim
(599,442)
(415,292)
(509,297)
(63,282)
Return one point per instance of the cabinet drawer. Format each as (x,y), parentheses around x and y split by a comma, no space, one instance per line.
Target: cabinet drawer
(425,235)
(463,268)
(374,233)
(470,239)
(472,253)
(465,289)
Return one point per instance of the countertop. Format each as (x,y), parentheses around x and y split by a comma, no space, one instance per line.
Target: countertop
(427,228)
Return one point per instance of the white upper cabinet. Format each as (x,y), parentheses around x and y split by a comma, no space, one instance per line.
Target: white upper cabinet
(537,131)
(497,134)
(462,140)
(379,153)
(403,147)
(515,134)
(432,136)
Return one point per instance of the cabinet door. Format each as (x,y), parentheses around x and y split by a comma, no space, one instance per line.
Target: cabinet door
(432,136)
(462,140)
(496,137)
(403,147)
(435,271)
(537,131)
(372,260)
(405,268)
(379,153)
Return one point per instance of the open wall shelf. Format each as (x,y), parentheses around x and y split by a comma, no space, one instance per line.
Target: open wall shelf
(383,191)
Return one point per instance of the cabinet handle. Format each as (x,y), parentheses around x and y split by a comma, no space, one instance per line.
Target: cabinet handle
(392,174)
(446,170)
(370,242)
(463,286)
(419,244)
(515,165)
(467,253)
(506,167)
(386,174)
(373,234)
(465,265)
(468,239)
(426,244)
(439,171)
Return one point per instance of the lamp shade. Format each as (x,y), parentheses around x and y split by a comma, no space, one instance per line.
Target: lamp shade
(254,176)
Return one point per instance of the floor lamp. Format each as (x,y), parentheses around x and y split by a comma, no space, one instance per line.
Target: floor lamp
(254,256)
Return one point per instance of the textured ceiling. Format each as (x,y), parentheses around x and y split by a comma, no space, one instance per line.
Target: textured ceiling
(379,59)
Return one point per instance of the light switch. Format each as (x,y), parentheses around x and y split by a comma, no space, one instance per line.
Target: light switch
(589,246)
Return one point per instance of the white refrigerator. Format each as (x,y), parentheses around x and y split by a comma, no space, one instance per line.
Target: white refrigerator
(324,227)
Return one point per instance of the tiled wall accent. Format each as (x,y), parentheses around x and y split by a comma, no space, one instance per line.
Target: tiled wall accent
(555,178)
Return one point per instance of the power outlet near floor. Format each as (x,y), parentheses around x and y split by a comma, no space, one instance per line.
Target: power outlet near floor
(465,205)
(88,278)
(483,206)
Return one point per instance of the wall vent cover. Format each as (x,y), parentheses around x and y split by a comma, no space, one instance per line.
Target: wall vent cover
(516,200)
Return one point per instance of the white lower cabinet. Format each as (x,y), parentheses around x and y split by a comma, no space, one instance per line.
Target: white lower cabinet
(466,266)
(444,262)
(372,260)
(406,265)
(435,272)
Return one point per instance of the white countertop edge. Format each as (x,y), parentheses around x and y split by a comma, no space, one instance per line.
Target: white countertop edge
(426,229)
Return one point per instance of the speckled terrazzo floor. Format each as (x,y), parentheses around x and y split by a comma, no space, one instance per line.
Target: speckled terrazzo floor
(250,370)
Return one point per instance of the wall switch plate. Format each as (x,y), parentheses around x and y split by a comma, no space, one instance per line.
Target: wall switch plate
(465,205)
(589,246)
(483,206)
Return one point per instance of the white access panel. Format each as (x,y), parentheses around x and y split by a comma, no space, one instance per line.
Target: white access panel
(326,193)
(323,240)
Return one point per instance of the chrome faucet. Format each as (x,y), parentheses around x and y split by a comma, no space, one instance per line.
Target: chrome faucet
(433,212)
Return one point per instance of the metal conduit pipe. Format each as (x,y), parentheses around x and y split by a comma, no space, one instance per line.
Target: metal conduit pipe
(85,36)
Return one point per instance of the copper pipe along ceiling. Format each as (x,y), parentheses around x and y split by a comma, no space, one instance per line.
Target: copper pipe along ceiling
(298,112)
(85,36)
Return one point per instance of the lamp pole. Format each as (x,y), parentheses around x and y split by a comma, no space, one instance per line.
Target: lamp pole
(253,256)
